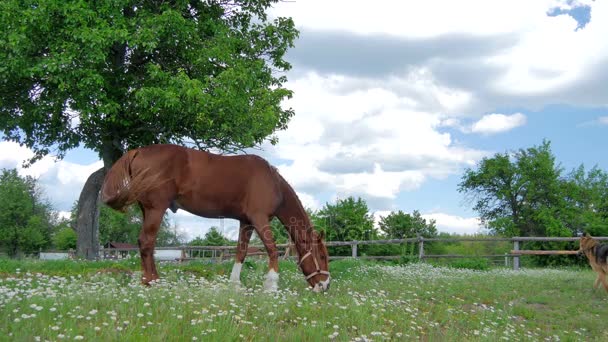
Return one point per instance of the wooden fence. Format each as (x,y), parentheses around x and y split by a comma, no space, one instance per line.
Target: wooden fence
(225,252)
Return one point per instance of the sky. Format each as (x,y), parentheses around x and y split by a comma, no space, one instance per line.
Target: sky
(395,99)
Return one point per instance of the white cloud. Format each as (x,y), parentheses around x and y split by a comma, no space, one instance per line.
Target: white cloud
(61,180)
(455,224)
(498,123)
(368,138)
(415,18)
(603,120)
(64,215)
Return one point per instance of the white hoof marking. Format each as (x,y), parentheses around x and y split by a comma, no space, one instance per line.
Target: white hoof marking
(272,281)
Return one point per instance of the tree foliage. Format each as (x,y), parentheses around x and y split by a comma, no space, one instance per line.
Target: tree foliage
(65,239)
(112,75)
(118,74)
(527,194)
(348,219)
(26,218)
(215,238)
(400,225)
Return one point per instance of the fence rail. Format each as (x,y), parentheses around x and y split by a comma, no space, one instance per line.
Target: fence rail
(223,252)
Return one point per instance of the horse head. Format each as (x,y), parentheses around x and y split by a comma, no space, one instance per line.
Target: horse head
(314,263)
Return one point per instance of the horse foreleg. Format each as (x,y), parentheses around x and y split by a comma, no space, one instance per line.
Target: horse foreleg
(245,232)
(263,228)
(146,241)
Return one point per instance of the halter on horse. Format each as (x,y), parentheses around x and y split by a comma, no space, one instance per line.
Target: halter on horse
(245,188)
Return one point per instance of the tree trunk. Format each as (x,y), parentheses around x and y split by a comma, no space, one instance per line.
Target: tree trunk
(87,221)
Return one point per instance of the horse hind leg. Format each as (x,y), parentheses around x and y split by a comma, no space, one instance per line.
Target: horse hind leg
(245,232)
(262,226)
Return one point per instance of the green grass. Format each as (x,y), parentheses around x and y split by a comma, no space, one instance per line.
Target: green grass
(367,301)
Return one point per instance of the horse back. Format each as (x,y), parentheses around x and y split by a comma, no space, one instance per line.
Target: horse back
(211,185)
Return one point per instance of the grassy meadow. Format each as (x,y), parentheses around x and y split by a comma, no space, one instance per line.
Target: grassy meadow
(78,300)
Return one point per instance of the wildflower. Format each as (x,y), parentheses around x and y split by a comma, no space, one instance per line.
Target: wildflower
(79,337)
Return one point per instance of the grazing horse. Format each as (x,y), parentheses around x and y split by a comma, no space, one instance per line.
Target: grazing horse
(245,187)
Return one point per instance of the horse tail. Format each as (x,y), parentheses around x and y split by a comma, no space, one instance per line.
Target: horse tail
(121,187)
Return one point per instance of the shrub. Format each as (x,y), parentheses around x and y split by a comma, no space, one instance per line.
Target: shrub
(480,264)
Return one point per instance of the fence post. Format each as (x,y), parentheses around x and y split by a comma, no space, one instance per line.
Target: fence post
(516,257)
(354,249)
(420,248)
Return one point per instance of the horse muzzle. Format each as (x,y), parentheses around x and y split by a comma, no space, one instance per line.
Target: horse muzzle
(322,286)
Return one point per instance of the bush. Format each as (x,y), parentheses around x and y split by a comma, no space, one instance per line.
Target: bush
(65,239)
(480,264)
(408,259)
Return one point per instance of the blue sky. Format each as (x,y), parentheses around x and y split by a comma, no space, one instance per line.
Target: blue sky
(392,105)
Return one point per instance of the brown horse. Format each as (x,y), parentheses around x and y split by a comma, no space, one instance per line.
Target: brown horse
(246,188)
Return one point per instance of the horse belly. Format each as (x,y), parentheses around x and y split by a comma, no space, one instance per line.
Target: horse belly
(206,209)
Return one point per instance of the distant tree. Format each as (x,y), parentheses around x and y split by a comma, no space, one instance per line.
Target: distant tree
(519,193)
(279,232)
(197,241)
(215,238)
(586,195)
(170,235)
(65,239)
(25,217)
(348,219)
(399,225)
(111,75)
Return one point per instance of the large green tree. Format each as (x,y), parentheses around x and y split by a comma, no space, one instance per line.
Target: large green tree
(26,218)
(520,193)
(112,75)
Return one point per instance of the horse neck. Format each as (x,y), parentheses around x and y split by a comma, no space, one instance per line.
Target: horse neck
(293,216)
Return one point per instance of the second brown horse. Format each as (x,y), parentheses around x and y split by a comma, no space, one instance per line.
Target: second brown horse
(246,188)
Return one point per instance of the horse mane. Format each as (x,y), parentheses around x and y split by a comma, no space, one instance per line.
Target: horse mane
(120,187)
(286,189)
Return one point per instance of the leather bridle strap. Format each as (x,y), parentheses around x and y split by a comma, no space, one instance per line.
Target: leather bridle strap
(318,271)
